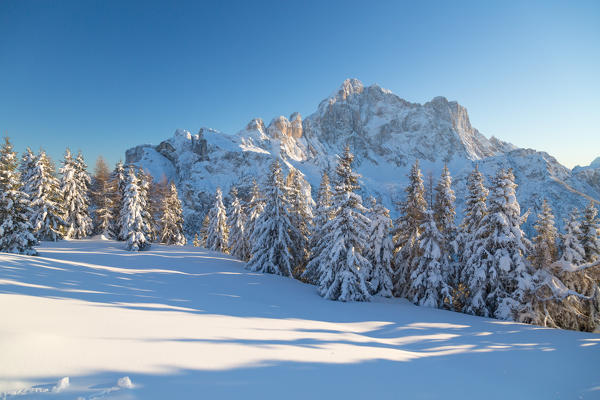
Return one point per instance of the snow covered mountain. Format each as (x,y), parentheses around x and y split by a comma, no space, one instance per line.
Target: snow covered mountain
(385,132)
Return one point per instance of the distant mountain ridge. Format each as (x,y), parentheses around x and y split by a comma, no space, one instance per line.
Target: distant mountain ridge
(386,133)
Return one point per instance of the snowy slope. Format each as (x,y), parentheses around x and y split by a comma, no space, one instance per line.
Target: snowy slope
(187,323)
(385,132)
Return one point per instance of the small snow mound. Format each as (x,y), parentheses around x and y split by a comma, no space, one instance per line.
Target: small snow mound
(125,382)
(61,385)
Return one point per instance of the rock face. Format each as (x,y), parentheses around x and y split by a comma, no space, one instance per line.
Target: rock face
(385,132)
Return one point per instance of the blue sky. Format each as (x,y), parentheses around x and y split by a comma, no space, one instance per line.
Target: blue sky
(103,76)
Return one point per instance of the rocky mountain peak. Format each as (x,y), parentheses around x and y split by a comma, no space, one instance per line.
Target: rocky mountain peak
(349,87)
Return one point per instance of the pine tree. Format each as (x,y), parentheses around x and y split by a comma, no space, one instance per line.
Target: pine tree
(339,257)
(323,214)
(26,166)
(571,248)
(255,208)
(545,251)
(196,241)
(498,277)
(204,231)
(408,227)
(133,224)
(300,213)
(45,199)
(146,182)
(157,193)
(271,241)
(16,232)
(445,216)
(468,273)
(590,231)
(430,277)
(102,200)
(380,251)
(217,236)
(171,222)
(74,186)
(117,185)
(238,239)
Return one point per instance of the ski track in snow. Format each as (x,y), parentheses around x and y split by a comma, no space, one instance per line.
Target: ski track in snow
(89,320)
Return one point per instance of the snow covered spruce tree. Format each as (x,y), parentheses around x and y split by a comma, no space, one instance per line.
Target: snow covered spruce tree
(217,235)
(171,222)
(239,243)
(204,231)
(102,200)
(544,243)
(196,241)
(590,233)
(341,255)
(300,213)
(146,182)
(430,276)
(496,271)
(445,216)
(323,214)
(271,239)
(26,166)
(45,199)
(475,210)
(379,251)
(133,224)
(16,232)
(408,227)
(254,209)
(572,250)
(117,185)
(74,186)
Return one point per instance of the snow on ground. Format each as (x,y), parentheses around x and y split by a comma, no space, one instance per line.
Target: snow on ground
(87,319)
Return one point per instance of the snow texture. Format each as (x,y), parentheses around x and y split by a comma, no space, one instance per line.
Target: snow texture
(184,322)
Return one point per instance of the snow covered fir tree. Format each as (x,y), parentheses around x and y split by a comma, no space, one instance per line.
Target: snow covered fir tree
(134,226)
(217,233)
(74,186)
(273,231)
(16,232)
(239,242)
(171,223)
(45,199)
(339,257)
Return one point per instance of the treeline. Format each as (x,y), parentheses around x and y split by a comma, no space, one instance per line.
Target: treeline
(126,204)
(485,266)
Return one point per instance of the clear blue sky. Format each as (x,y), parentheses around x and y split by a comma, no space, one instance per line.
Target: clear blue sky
(103,76)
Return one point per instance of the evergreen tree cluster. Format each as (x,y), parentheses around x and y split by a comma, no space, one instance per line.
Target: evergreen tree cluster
(485,266)
(37,202)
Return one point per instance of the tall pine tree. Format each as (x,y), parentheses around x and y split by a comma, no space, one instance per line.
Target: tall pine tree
(470,276)
(545,251)
(590,231)
(45,199)
(408,229)
(133,224)
(239,244)
(74,186)
(497,271)
(341,255)
(217,236)
(379,251)
(430,276)
(271,240)
(572,250)
(171,223)
(16,232)
(323,214)
(300,212)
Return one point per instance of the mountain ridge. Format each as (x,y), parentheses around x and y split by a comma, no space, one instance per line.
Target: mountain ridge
(386,133)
